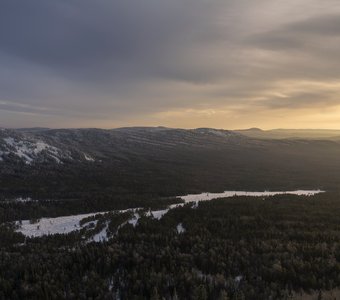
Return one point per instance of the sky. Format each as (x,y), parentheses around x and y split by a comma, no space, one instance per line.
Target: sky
(177,63)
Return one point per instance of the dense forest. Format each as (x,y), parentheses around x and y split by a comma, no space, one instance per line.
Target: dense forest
(154,162)
(277,247)
(235,248)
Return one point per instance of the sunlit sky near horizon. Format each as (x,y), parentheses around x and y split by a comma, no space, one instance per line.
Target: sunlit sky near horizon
(177,63)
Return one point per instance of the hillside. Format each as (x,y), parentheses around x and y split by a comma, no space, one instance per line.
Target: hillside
(49,163)
(91,214)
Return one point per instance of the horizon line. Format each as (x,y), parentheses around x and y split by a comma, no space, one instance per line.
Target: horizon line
(166,127)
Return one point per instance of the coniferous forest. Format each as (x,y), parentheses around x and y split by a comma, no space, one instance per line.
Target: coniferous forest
(102,228)
(169,150)
(277,247)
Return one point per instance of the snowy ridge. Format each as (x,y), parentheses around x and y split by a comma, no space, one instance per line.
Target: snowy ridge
(29,151)
(55,145)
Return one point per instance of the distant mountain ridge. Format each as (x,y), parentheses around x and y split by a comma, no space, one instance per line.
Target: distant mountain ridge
(41,145)
(325,134)
(44,145)
(83,163)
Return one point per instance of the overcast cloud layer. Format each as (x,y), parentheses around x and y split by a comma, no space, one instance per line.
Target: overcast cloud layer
(178,63)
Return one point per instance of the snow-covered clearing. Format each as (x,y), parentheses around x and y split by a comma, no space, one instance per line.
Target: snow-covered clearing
(226,194)
(67,224)
(46,226)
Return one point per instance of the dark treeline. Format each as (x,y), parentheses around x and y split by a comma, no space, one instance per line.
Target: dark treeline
(237,248)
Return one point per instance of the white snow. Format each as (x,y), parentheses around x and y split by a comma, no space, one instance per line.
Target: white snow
(102,235)
(226,194)
(158,214)
(180,229)
(93,223)
(20,199)
(28,150)
(46,226)
(220,133)
(134,220)
(88,157)
(67,224)
(195,205)
(21,149)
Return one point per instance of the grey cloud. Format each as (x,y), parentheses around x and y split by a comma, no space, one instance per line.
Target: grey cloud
(303,100)
(123,60)
(306,34)
(102,39)
(328,25)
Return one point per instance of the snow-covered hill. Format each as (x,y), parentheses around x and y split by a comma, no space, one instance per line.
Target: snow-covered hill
(89,145)
(30,148)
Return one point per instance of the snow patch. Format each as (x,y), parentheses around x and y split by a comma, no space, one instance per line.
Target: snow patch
(28,150)
(20,199)
(47,226)
(88,157)
(62,225)
(134,220)
(102,235)
(180,229)
(158,214)
(67,224)
(227,194)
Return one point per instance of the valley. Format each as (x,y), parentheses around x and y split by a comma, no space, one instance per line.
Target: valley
(67,224)
(92,213)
